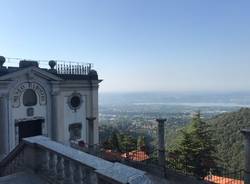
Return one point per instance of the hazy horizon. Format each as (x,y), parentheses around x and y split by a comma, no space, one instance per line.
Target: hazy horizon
(192,92)
(234,99)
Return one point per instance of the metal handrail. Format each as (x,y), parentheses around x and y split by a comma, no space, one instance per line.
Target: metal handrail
(14,62)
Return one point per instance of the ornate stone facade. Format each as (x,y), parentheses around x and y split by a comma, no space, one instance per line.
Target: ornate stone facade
(49,102)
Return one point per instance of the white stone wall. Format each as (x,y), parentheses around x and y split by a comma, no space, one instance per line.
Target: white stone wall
(20,113)
(71,116)
(56,112)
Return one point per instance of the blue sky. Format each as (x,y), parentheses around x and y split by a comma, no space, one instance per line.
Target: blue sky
(137,45)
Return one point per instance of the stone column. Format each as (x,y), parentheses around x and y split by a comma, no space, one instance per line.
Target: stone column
(4,126)
(246,134)
(90,131)
(54,120)
(2,138)
(161,142)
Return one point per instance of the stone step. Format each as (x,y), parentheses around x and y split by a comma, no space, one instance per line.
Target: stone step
(22,178)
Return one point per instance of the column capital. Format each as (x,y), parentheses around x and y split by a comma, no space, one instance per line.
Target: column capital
(55,93)
(90,118)
(161,120)
(4,95)
(246,133)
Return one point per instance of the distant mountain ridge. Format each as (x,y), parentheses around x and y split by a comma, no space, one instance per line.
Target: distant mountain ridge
(226,129)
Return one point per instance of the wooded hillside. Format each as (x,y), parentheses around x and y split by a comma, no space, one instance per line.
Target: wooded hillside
(226,131)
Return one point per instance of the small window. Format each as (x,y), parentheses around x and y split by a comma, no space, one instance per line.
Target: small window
(74,101)
(29,98)
(75,131)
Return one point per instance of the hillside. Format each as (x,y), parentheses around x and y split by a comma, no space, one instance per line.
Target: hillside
(226,131)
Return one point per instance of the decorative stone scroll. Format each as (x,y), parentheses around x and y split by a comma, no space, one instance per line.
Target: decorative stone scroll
(20,89)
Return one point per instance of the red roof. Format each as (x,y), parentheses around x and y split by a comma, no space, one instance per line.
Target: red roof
(223,180)
(136,155)
(111,156)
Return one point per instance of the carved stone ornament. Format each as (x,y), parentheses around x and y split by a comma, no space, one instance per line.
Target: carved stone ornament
(21,88)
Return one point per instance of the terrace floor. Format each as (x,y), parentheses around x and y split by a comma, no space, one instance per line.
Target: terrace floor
(22,178)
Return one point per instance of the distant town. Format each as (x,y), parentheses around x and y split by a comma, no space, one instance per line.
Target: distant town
(136,112)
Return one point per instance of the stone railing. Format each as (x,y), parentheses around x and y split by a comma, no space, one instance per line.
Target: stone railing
(13,162)
(58,163)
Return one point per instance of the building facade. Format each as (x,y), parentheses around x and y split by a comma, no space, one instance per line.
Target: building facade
(60,102)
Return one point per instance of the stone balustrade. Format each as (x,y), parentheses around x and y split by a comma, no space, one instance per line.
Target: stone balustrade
(58,163)
(14,163)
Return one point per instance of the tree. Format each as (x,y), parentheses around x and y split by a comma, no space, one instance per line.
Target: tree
(115,141)
(128,143)
(141,143)
(196,149)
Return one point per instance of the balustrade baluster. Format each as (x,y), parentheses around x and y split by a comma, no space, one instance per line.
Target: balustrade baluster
(74,69)
(18,165)
(6,170)
(84,70)
(83,175)
(21,161)
(12,164)
(52,165)
(67,172)
(10,168)
(88,69)
(15,164)
(44,161)
(88,175)
(59,169)
(76,173)
(92,177)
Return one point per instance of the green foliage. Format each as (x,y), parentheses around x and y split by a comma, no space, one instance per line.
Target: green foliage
(225,138)
(141,143)
(226,129)
(120,142)
(115,142)
(128,143)
(195,152)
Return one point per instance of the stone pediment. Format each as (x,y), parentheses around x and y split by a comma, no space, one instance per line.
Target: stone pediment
(30,73)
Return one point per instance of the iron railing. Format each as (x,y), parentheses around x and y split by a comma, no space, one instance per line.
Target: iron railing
(147,160)
(61,67)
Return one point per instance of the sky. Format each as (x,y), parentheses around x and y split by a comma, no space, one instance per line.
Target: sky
(137,45)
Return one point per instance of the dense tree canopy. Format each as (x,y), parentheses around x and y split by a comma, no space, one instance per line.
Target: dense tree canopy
(195,151)
(226,129)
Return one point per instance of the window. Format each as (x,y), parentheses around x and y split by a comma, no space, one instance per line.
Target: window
(74,101)
(29,98)
(75,131)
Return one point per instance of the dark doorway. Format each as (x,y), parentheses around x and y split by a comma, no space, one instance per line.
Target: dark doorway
(30,128)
